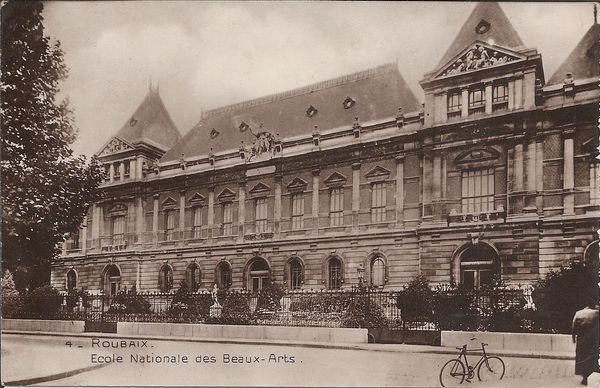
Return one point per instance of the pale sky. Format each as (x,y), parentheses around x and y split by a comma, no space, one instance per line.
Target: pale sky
(209,54)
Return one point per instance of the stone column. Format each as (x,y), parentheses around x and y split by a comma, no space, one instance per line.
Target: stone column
(139,220)
(531,184)
(568,173)
(511,94)
(138,167)
(155,221)
(95,226)
(138,275)
(539,172)
(355,195)
(211,212)
(241,211)
(83,235)
(465,103)
(427,183)
(111,172)
(277,206)
(181,215)
(595,183)
(517,191)
(100,225)
(399,190)
(315,201)
(132,168)
(488,98)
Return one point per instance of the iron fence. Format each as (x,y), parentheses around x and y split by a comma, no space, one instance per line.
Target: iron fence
(356,307)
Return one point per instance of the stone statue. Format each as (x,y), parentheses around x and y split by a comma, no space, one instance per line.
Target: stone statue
(214,292)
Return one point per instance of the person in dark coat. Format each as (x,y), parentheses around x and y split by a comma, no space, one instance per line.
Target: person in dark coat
(586,333)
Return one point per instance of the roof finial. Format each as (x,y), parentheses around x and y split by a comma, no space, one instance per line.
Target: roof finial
(595,13)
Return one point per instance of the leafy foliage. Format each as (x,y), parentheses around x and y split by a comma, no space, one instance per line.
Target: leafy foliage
(188,306)
(416,300)
(236,310)
(44,300)
(269,298)
(130,302)
(363,311)
(46,191)
(453,308)
(11,300)
(561,293)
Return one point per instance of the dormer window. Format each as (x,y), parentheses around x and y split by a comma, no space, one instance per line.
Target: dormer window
(454,104)
(500,96)
(476,100)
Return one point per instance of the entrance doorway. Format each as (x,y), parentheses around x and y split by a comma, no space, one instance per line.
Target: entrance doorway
(259,275)
(112,280)
(479,265)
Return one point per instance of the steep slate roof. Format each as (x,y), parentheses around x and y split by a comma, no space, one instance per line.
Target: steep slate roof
(583,60)
(500,31)
(377,92)
(151,124)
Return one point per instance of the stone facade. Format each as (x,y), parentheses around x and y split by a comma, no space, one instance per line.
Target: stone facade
(496,174)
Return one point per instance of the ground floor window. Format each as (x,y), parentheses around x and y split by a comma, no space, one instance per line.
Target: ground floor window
(377,272)
(71,280)
(295,271)
(259,275)
(334,275)
(479,266)
(165,278)
(223,275)
(112,280)
(193,277)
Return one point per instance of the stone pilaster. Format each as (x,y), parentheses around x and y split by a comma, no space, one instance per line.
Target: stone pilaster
(315,201)
(211,212)
(568,173)
(139,220)
(277,207)
(488,98)
(181,215)
(400,190)
(355,195)
(155,221)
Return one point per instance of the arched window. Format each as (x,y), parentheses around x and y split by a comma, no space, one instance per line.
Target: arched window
(223,275)
(259,274)
(295,274)
(334,273)
(112,280)
(165,278)
(71,280)
(479,265)
(193,276)
(377,271)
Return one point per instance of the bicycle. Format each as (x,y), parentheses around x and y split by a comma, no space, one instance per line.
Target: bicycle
(488,368)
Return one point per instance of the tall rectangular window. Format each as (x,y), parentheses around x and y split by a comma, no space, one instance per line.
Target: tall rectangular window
(126,169)
(454,104)
(227,218)
(118,230)
(169,225)
(500,96)
(476,100)
(297,211)
(197,228)
(478,191)
(117,173)
(336,207)
(378,202)
(261,215)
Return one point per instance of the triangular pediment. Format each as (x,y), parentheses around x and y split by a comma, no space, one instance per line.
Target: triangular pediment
(378,172)
(297,184)
(197,198)
(169,203)
(226,195)
(335,179)
(259,189)
(114,146)
(478,56)
(477,155)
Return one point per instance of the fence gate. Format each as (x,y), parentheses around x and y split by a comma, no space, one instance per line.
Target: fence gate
(97,320)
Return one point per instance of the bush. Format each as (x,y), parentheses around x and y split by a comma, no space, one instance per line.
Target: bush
(561,293)
(453,308)
(12,303)
(44,300)
(416,300)
(324,302)
(269,298)
(129,302)
(500,310)
(236,310)
(363,312)
(189,306)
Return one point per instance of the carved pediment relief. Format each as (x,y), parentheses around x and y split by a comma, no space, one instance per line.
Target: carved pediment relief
(478,56)
(197,199)
(260,189)
(118,209)
(378,173)
(297,184)
(226,195)
(114,146)
(336,179)
(169,203)
(477,155)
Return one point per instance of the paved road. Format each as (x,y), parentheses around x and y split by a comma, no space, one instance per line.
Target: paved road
(215,364)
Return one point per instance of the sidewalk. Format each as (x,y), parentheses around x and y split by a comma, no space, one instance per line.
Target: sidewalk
(400,348)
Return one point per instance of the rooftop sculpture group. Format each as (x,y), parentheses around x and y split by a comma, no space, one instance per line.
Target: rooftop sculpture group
(477,58)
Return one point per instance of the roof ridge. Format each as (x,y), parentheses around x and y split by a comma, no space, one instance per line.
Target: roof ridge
(357,76)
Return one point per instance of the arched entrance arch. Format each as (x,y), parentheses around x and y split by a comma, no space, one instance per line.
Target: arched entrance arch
(258,274)
(476,265)
(111,279)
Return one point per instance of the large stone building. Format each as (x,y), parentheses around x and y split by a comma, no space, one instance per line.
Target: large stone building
(318,187)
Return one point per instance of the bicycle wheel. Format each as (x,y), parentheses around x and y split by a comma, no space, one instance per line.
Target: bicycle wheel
(452,373)
(491,369)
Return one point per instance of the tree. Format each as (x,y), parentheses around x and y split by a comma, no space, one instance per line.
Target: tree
(46,190)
